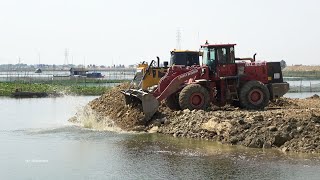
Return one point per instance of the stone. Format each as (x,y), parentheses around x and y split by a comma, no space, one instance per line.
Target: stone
(299,129)
(119,114)
(154,129)
(241,121)
(234,140)
(247,126)
(272,128)
(256,143)
(315,119)
(266,145)
(280,139)
(258,118)
(162,120)
(156,123)
(178,113)
(186,111)
(285,149)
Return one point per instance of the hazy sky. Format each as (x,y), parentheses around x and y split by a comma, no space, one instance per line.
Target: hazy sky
(127,31)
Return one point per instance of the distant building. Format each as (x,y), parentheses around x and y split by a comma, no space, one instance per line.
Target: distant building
(78,71)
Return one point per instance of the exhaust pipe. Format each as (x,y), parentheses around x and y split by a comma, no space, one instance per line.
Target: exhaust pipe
(158,61)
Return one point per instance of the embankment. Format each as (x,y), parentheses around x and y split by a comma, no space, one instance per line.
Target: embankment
(287,124)
(7,88)
(302,71)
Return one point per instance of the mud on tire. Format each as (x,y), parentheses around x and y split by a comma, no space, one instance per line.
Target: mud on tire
(194,96)
(254,95)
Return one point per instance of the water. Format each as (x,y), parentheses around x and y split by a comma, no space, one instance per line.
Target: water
(305,83)
(37,142)
(301,95)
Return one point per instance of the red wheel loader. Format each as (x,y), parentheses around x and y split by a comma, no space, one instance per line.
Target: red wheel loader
(221,79)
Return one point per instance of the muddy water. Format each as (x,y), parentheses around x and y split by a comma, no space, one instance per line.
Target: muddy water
(37,142)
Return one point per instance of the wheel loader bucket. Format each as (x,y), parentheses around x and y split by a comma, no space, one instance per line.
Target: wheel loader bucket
(149,103)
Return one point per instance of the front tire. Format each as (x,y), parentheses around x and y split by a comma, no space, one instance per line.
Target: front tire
(172,102)
(194,96)
(254,95)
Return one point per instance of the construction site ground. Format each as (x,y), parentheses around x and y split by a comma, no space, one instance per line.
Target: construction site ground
(286,124)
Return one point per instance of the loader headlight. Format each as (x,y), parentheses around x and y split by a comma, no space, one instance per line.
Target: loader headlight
(276,76)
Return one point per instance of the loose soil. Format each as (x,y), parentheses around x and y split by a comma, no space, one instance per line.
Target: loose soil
(287,124)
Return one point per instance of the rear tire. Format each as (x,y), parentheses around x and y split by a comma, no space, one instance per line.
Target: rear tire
(172,102)
(194,96)
(254,95)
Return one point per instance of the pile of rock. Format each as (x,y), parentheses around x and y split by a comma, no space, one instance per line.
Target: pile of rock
(289,130)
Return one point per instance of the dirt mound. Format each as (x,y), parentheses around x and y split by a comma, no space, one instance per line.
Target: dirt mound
(286,129)
(112,104)
(282,102)
(287,124)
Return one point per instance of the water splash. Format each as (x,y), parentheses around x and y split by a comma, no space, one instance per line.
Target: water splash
(88,118)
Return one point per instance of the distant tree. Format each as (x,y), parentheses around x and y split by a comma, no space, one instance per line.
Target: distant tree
(283,64)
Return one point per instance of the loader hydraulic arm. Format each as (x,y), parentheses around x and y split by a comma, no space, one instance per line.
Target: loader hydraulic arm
(175,83)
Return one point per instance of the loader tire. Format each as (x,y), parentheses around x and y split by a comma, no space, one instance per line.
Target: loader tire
(172,102)
(235,103)
(254,95)
(194,96)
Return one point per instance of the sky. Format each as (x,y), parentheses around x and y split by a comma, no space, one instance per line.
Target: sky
(105,32)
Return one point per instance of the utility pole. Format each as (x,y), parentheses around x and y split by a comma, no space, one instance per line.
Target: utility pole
(39,60)
(66,56)
(84,62)
(178,39)
(19,68)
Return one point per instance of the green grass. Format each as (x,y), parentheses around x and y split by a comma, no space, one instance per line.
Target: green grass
(75,81)
(7,88)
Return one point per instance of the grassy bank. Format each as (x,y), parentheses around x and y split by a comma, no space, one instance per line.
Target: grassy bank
(71,81)
(302,71)
(7,88)
(304,74)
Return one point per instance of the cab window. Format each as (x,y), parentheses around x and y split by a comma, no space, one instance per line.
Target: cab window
(222,55)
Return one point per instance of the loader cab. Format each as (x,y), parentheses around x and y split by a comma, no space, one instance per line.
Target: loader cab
(220,58)
(185,57)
